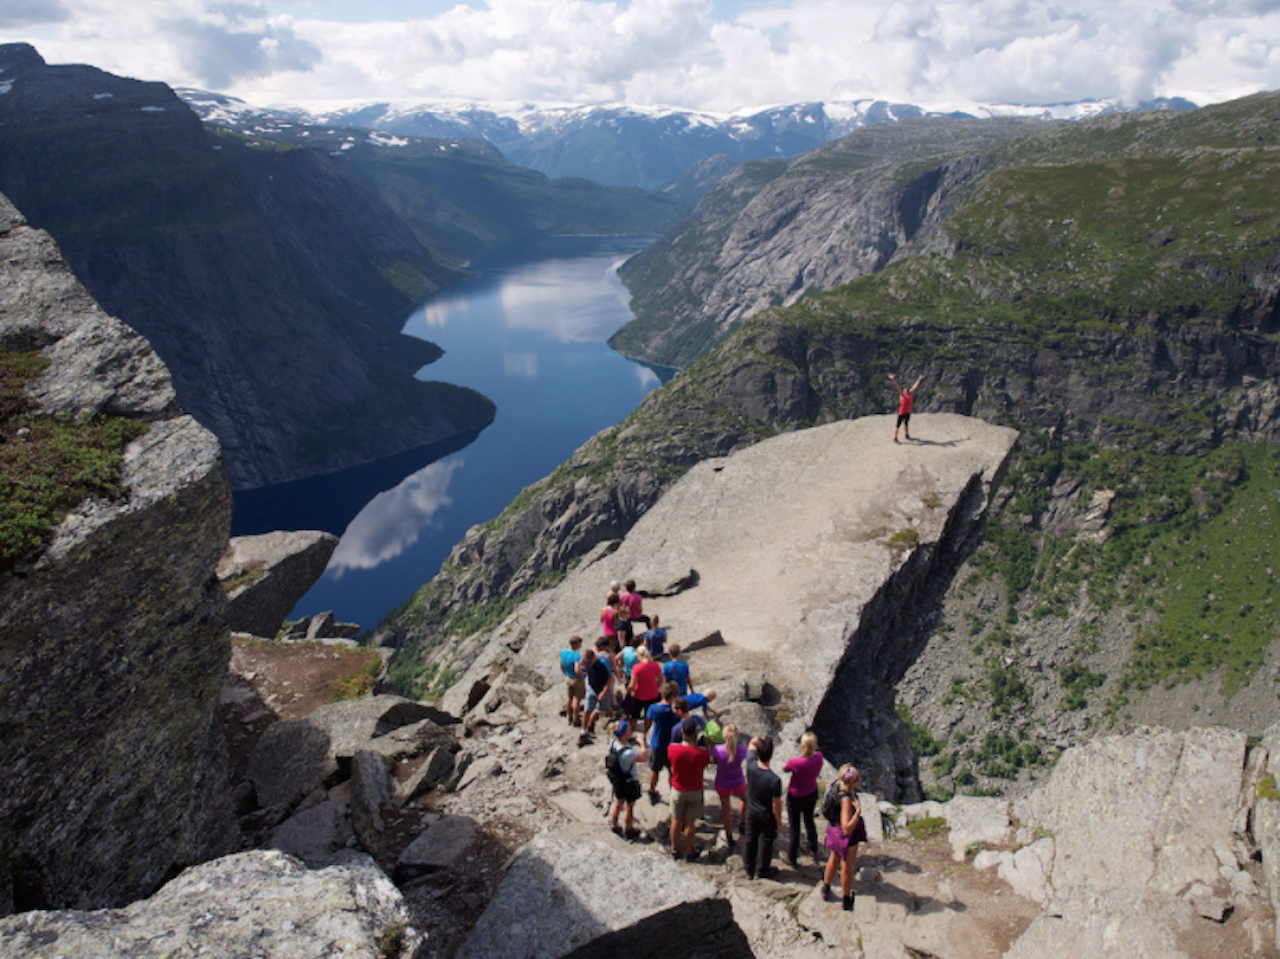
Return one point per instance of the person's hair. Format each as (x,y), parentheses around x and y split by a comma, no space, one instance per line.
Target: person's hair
(808,744)
(710,695)
(689,730)
(674,650)
(615,586)
(654,621)
(575,642)
(612,599)
(603,642)
(589,656)
(642,654)
(848,773)
(764,748)
(680,703)
(730,732)
(670,691)
(631,585)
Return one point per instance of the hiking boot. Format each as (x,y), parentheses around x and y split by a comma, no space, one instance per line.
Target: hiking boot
(676,855)
(631,835)
(827,895)
(847,905)
(617,830)
(694,853)
(768,872)
(653,797)
(584,740)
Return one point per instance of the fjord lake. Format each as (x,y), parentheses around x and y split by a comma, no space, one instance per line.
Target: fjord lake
(528,332)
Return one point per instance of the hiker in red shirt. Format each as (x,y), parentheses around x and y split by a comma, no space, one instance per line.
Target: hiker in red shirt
(906,399)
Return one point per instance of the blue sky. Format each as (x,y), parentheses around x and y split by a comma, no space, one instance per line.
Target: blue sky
(715,55)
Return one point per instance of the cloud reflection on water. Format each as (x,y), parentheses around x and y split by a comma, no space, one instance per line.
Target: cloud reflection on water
(392,521)
(647,379)
(520,364)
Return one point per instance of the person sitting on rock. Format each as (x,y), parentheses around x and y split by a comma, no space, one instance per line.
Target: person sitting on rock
(645,687)
(635,604)
(731,783)
(906,400)
(764,809)
(655,640)
(574,683)
(688,760)
(599,677)
(663,718)
(845,830)
(677,671)
(626,781)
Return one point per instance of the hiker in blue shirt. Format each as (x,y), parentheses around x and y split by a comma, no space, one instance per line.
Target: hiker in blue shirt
(655,640)
(575,684)
(663,717)
(677,671)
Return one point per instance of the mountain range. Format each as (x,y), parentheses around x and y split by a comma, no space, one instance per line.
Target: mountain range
(626,144)
(272,276)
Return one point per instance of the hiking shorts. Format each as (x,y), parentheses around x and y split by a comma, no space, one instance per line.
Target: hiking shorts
(687,806)
(575,687)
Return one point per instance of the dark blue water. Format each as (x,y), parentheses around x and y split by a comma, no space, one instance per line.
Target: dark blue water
(528,333)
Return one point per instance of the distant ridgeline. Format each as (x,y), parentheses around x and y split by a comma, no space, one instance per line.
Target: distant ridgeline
(1108,287)
(270,276)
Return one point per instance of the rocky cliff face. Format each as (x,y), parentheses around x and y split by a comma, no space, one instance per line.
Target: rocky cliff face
(773,232)
(265,277)
(113,638)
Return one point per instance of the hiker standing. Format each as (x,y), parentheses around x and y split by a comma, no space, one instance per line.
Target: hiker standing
(906,400)
(764,809)
(574,684)
(845,830)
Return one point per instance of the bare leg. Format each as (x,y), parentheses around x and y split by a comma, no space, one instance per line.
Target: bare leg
(726,817)
(846,871)
(617,808)
(675,835)
(689,836)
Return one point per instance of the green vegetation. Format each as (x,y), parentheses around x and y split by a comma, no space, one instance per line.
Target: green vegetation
(1076,681)
(926,828)
(1267,788)
(360,682)
(49,465)
(922,741)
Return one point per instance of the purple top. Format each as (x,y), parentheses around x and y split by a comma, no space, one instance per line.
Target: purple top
(804,774)
(729,771)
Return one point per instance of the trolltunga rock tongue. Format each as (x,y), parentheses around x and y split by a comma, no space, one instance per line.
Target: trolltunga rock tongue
(817,555)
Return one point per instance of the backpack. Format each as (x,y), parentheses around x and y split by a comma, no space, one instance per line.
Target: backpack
(613,768)
(831,802)
(712,733)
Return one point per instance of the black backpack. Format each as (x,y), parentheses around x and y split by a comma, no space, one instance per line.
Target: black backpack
(613,768)
(831,802)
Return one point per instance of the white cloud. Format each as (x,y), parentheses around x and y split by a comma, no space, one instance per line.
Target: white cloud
(677,52)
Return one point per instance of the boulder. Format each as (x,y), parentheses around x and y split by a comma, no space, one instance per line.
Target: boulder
(265,576)
(561,897)
(441,846)
(391,726)
(1027,870)
(316,834)
(260,903)
(1143,809)
(436,770)
(480,770)
(370,787)
(976,819)
(292,759)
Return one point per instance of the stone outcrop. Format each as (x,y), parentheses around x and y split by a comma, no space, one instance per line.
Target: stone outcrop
(250,904)
(819,556)
(576,893)
(265,576)
(113,641)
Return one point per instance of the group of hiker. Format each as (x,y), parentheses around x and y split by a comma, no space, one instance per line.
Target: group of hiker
(641,685)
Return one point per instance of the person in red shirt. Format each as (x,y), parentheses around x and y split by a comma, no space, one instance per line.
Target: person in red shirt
(645,687)
(688,760)
(906,399)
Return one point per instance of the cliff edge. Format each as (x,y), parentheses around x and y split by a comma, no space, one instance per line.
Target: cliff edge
(113,636)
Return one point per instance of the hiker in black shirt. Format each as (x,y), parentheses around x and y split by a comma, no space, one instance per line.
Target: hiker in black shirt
(764,809)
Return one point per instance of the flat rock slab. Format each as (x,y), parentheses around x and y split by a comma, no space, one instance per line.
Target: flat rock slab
(791,539)
(442,846)
(260,903)
(1108,923)
(576,892)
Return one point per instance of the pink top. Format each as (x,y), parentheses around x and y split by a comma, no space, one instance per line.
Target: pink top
(607,621)
(804,774)
(634,604)
(728,771)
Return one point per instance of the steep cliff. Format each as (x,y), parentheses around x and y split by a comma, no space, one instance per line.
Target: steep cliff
(113,636)
(265,277)
(774,231)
